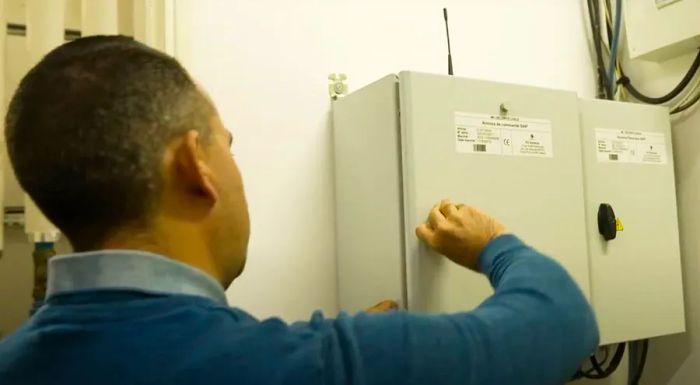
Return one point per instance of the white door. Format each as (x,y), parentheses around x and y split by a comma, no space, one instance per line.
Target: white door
(523,165)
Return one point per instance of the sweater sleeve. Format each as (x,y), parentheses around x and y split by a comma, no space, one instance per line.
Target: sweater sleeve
(535,330)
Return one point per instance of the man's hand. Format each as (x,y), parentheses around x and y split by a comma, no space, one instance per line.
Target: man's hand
(459,232)
(383,306)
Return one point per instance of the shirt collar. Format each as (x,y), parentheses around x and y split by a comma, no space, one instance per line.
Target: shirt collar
(127,269)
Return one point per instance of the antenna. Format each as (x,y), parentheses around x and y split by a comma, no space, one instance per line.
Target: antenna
(449,47)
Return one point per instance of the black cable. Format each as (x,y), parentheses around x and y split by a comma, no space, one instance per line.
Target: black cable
(600,56)
(627,83)
(581,374)
(608,8)
(609,94)
(594,18)
(597,367)
(606,356)
(686,106)
(599,372)
(642,363)
(609,33)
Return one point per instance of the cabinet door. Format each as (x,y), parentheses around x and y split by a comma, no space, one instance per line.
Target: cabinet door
(636,284)
(513,151)
(369,232)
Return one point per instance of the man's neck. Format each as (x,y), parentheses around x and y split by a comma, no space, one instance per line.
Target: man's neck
(183,246)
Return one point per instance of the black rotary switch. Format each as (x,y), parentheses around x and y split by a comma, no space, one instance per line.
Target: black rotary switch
(607,223)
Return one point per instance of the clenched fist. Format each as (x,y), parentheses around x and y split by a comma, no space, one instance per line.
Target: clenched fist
(459,232)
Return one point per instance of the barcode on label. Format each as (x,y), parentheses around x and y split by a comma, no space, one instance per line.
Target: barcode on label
(479,148)
(612,157)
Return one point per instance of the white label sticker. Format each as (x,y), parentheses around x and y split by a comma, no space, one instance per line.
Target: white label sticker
(625,146)
(503,135)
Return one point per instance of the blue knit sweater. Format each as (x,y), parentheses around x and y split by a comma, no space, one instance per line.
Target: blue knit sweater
(123,317)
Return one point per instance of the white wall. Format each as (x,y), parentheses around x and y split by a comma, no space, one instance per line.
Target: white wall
(266,62)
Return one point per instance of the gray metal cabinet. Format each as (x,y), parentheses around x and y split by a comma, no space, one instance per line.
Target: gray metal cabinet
(517,152)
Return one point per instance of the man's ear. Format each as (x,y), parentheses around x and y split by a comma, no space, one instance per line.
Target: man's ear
(191,167)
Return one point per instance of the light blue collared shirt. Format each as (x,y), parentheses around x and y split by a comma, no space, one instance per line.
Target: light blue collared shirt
(129,269)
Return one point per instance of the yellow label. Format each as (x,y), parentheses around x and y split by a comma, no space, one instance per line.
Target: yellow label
(619,225)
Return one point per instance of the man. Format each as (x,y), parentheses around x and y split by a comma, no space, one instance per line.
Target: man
(122,151)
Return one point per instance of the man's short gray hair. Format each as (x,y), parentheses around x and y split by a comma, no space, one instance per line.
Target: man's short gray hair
(87,129)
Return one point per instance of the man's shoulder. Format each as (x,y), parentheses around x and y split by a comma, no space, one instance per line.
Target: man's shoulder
(193,335)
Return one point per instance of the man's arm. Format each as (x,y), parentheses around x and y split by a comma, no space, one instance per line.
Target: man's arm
(535,330)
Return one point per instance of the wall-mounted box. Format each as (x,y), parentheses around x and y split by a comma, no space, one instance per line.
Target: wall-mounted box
(400,148)
(636,282)
(523,155)
(659,30)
